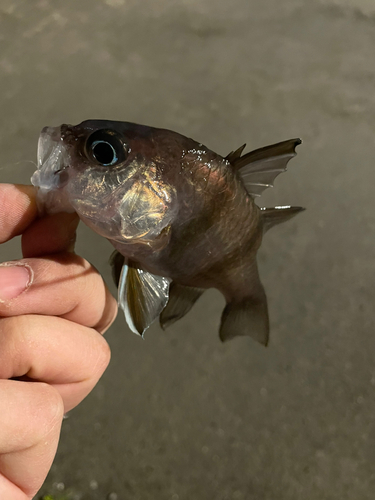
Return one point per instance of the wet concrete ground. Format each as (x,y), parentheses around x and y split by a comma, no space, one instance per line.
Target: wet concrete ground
(180,416)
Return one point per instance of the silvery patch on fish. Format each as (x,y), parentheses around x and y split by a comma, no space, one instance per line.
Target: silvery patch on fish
(181,217)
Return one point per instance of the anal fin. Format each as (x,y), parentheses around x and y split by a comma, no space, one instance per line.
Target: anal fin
(181,300)
(247,315)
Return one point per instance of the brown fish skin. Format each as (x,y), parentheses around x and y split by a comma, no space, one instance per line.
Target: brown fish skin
(174,208)
(216,217)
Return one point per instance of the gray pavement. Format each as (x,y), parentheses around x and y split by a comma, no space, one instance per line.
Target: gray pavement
(180,416)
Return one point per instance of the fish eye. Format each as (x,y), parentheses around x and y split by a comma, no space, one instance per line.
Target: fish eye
(104,152)
(106,148)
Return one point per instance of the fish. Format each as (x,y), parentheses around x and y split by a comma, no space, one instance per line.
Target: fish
(181,218)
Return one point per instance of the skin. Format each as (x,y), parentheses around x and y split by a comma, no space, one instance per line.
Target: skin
(52,352)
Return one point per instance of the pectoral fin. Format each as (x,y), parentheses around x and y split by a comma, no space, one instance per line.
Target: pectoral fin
(247,315)
(116,261)
(142,296)
(181,300)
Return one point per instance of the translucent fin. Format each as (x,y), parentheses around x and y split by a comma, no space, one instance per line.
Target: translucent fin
(247,315)
(181,300)
(142,296)
(277,215)
(259,168)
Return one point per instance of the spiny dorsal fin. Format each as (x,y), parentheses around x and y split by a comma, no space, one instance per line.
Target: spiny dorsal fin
(258,169)
(142,296)
(277,215)
(234,155)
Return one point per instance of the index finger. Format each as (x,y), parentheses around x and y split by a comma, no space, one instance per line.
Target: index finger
(19,215)
(17,209)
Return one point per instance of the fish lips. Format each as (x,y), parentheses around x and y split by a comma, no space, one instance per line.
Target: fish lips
(51,175)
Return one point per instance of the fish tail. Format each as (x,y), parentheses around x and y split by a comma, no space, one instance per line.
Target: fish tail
(247,315)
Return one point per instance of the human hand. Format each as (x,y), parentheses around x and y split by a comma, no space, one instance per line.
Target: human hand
(53,303)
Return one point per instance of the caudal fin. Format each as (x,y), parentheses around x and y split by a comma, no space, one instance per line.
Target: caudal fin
(247,315)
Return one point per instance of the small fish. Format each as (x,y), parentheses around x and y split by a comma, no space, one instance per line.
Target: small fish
(181,217)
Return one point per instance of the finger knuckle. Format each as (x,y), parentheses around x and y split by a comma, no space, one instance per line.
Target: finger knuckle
(49,405)
(104,355)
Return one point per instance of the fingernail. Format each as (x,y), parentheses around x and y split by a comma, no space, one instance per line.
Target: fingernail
(14,279)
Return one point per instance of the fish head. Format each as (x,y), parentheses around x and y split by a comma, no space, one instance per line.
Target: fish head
(111,174)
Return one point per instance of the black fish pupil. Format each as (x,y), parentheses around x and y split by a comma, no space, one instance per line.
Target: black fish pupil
(104,152)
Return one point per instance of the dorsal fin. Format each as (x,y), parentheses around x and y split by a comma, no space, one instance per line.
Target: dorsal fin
(234,155)
(258,169)
(277,215)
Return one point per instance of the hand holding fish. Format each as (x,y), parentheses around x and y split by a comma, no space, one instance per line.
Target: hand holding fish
(53,308)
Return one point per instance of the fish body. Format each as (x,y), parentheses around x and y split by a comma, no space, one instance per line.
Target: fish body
(181,217)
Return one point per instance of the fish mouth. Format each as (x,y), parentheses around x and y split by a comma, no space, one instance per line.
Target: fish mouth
(52,160)
(51,175)
(49,138)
